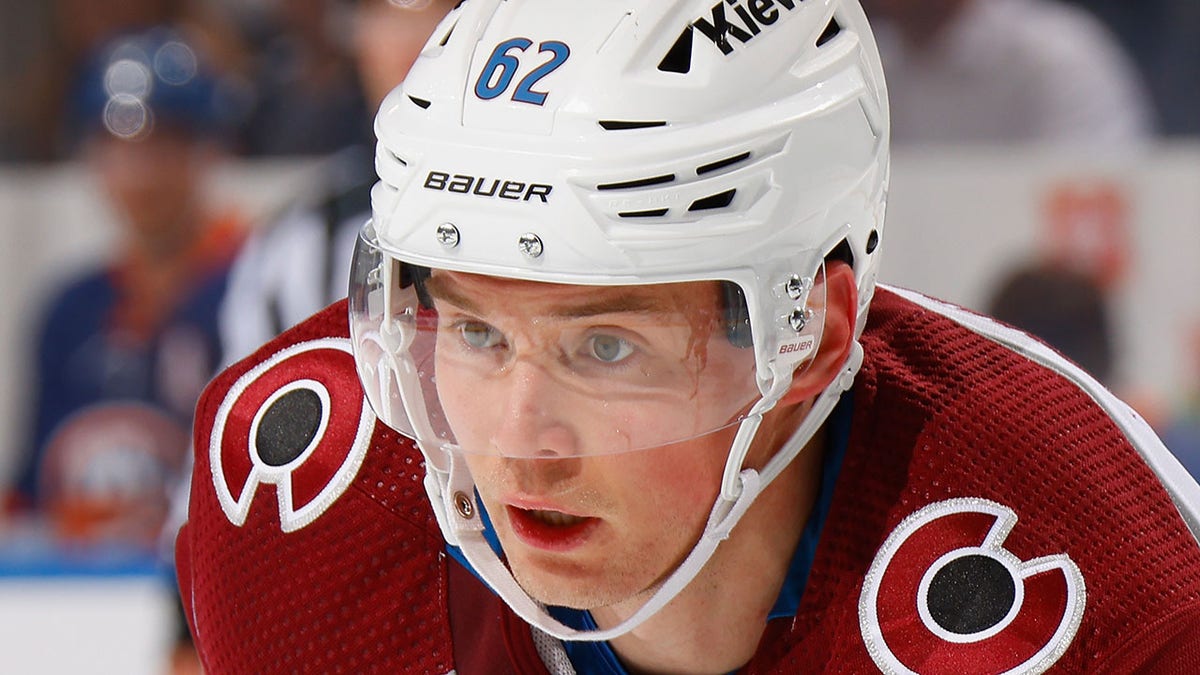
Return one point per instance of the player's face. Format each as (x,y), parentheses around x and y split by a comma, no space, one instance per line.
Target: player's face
(590,532)
(151,181)
(582,524)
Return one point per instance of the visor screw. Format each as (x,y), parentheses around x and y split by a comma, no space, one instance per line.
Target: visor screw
(799,318)
(798,287)
(447,235)
(531,245)
(464,505)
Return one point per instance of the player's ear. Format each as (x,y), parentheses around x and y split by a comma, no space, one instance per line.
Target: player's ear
(837,338)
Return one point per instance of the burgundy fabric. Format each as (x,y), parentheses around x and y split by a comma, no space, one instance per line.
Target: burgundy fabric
(940,413)
(361,590)
(488,638)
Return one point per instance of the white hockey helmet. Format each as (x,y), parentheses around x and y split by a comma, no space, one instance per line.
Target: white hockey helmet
(618,143)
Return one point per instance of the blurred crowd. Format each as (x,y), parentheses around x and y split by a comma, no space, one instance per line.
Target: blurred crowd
(961,70)
(130,87)
(149,97)
(284,68)
(1007,67)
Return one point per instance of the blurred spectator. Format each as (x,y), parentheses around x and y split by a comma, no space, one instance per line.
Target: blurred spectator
(47,44)
(302,262)
(1069,310)
(124,350)
(307,97)
(1064,308)
(967,71)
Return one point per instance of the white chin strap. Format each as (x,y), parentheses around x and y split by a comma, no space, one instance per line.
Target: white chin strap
(452,495)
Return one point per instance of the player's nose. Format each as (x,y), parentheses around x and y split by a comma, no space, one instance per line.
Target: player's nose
(535,420)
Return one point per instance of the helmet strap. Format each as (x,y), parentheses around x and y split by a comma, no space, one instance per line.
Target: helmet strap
(816,416)
(468,532)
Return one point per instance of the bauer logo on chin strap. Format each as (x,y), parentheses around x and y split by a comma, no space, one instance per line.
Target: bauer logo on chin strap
(297,421)
(944,596)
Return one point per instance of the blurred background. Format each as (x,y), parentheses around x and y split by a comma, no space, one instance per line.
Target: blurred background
(179,180)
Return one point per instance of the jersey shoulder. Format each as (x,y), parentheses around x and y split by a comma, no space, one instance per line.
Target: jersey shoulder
(958,365)
(309,543)
(977,453)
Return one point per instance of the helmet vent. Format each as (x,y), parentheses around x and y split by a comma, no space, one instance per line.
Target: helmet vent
(420,102)
(722,163)
(831,31)
(652,213)
(396,157)
(872,241)
(625,125)
(717,201)
(641,182)
(446,37)
(679,57)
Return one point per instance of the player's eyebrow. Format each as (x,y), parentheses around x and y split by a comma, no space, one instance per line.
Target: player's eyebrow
(622,304)
(445,288)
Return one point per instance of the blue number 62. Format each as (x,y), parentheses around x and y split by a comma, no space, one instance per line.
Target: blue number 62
(501,66)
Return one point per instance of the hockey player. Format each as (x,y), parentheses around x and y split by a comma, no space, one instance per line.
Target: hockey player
(622,408)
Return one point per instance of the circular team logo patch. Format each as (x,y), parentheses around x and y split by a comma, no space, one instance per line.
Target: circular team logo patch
(297,421)
(109,470)
(944,596)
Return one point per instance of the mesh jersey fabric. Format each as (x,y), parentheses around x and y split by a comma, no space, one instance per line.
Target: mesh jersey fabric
(940,413)
(362,590)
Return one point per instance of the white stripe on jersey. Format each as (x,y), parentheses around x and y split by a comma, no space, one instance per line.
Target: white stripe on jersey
(1178,482)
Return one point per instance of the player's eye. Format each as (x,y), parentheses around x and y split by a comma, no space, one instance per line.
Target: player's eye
(609,348)
(479,335)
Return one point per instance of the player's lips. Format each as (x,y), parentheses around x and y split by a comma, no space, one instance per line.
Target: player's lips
(549,529)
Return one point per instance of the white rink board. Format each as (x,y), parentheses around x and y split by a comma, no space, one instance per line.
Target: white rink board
(960,219)
(66,626)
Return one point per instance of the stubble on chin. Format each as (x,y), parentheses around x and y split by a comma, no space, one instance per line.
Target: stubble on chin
(607,588)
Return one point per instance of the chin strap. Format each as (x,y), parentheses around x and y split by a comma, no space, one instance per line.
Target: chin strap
(452,494)
(466,532)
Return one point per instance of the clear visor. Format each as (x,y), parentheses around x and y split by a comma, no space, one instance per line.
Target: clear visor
(488,365)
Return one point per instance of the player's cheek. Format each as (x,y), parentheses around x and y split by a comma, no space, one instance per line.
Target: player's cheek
(680,481)
(460,399)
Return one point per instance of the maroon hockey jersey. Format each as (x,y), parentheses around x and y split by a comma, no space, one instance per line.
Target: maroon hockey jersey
(996,513)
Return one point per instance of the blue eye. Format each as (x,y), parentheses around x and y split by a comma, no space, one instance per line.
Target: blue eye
(609,348)
(479,335)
